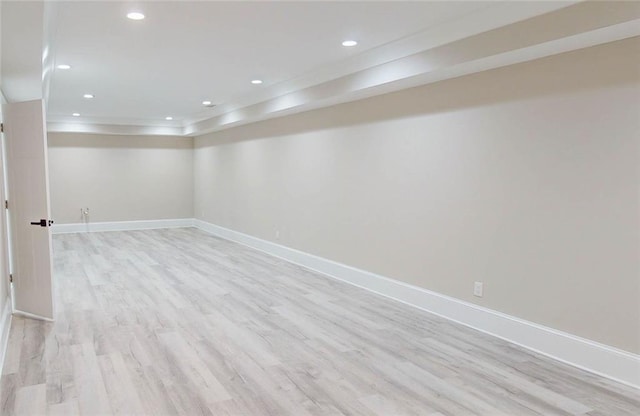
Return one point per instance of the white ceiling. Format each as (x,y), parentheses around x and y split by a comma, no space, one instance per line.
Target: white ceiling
(185,52)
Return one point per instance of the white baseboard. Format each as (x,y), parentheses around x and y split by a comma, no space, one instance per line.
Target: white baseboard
(589,355)
(120,226)
(5,326)
(32,316)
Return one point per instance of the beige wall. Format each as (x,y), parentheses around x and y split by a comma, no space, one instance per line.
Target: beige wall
(524,177)
(120,178)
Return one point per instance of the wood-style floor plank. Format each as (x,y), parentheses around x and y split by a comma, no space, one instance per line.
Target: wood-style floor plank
(31,400)
(178,322)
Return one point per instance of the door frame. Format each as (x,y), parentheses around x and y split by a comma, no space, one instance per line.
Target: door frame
(5,254)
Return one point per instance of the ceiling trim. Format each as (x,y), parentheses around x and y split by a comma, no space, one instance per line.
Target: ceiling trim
(113,129)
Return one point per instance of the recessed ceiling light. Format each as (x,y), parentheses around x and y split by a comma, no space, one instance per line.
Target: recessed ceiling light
(256,81)
(135,15)
(88,96)
(349,43)
(76,114)
(206,102)
(168,118)
(64,66)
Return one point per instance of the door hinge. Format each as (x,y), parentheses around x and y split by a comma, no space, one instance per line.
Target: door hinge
(6,204)
(1,127)
(10,278)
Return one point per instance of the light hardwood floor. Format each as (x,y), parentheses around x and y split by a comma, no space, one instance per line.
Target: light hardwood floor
(180,322)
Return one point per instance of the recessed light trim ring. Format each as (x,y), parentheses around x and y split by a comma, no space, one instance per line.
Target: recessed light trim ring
(135,15)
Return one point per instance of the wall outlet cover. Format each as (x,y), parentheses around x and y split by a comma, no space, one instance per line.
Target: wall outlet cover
(478,289)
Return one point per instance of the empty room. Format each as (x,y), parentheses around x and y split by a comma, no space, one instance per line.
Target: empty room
(320,208)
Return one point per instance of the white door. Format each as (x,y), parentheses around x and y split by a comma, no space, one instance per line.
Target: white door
(25,137)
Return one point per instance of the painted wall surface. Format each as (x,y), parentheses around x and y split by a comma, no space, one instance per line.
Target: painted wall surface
(524,177)
(120,178)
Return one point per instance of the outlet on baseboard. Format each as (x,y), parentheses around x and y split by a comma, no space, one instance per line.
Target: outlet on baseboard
(477,289)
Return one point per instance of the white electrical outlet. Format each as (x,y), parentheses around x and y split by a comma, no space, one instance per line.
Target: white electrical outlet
(477,289)
(277,234)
